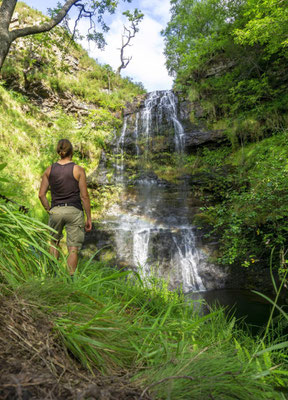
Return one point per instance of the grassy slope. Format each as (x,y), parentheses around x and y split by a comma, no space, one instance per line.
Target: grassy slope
(29,135)
(114,323)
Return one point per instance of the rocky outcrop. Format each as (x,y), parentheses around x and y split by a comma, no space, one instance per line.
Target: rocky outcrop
(201,137)
(197,135)
(155,227)
(51,51)
(99,176)
(134,106)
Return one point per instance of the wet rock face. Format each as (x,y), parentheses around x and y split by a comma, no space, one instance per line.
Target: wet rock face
(165,252)
(154,131)
(201,137)
(152,232)
(99,176)
(197,135)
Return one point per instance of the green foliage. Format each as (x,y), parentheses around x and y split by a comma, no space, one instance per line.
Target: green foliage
(248,190)
(23,247)
(267,25)
(232,57)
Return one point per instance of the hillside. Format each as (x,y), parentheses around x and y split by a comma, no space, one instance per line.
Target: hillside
(51,89)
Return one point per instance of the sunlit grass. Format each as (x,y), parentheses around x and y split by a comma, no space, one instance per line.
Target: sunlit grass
(111,321)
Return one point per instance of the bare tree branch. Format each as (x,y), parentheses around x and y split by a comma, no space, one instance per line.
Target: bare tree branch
(129,33)
(98,9)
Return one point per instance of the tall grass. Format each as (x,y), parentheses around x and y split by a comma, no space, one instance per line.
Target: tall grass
(111,322)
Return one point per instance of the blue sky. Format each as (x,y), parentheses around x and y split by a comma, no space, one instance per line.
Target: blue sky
(148,62)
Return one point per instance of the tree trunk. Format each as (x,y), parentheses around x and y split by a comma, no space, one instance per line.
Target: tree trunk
(5,43)
(6,11)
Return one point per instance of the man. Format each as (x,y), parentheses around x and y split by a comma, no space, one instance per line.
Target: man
(67,182)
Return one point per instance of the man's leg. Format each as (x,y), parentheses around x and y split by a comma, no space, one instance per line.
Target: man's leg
(55,222)
(72,259)
(75,236)
(54,249)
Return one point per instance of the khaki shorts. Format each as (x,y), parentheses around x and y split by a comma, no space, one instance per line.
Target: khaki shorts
(72,219)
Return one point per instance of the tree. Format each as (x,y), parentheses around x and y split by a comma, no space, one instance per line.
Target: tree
(267,26)
(231,56)
(91,9)
(129,33)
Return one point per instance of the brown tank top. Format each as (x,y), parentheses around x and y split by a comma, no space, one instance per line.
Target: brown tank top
(64,187)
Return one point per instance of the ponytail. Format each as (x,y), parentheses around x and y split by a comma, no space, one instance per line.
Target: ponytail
(64,148)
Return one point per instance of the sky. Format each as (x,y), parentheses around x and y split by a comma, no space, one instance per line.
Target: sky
(148,61)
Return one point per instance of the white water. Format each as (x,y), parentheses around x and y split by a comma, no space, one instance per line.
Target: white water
(188,258)
(168,107)
(136,134)
(141,240)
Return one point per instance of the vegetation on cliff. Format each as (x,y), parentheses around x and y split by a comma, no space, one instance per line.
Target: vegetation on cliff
(230,59)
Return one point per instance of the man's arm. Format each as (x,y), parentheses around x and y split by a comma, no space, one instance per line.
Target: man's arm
(44,189)
(85,197)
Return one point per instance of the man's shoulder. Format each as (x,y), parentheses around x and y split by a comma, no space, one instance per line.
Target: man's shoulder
(78,168)
(78,172)
(48,170)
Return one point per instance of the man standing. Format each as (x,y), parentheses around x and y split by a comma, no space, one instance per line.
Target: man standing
(67,182)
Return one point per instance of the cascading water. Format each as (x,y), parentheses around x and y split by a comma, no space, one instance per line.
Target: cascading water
(168,107)
(152,229)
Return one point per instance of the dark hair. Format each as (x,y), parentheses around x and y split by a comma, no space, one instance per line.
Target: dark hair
(64,148)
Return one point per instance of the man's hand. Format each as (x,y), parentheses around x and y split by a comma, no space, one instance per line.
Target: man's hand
(88,225)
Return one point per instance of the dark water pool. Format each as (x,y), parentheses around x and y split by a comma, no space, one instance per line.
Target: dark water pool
(245,305)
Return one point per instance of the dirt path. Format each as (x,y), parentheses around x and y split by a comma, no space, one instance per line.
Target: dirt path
(34,364)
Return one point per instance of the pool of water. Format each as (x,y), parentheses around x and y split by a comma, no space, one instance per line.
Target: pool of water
(246,306)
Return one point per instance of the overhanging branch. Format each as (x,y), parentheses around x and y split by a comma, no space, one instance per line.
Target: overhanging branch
(46,26)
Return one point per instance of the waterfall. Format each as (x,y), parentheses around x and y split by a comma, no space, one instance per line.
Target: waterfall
(152,228)
(149,105)
(141,248)
(168,107)
(188,257)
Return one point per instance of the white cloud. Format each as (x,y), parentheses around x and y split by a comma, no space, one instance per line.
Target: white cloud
(158,9)
(148,61)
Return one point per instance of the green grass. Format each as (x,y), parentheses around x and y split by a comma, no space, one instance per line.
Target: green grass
(111,321)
